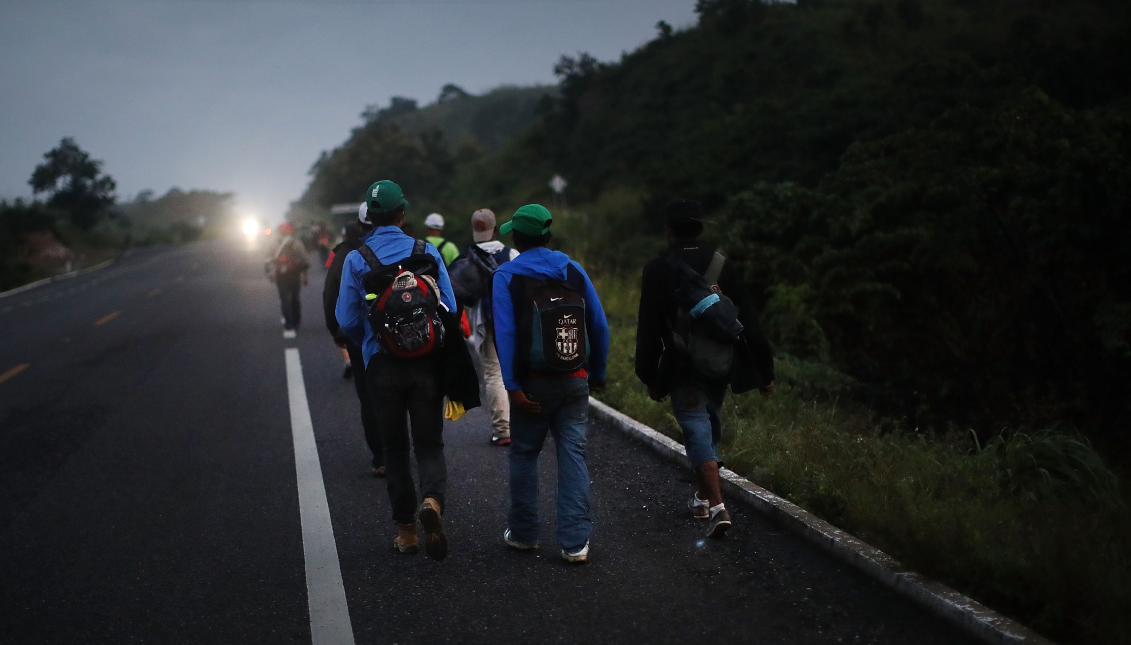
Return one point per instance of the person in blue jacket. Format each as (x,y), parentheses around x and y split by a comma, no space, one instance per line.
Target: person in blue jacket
(541,402)
(398,387)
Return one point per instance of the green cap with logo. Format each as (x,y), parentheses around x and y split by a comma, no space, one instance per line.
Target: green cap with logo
(532,219)
(383,197)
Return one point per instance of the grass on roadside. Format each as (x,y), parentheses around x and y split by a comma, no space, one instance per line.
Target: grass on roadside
(1033,525)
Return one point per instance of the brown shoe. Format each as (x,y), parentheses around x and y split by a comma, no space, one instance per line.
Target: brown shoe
(720,522)
(435,541)
(406,540)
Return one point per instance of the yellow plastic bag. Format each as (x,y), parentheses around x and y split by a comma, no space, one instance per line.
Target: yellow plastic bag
(454,411)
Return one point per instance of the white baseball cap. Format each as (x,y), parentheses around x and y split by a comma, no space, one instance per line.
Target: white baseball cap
(435,220)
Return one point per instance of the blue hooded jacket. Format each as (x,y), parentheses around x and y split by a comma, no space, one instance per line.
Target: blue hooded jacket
(390,245)
(543,264)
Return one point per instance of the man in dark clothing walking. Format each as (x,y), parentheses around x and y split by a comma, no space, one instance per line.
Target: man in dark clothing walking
(401,388)
(665,369)
(355,235)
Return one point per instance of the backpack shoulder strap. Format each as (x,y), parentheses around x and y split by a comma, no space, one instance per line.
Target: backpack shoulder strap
(420,247)
(369,256)
(714,269)
(282,247)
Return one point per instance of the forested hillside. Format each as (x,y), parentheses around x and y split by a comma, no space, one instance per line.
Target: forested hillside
(931,200)
(423,147)
(935,189)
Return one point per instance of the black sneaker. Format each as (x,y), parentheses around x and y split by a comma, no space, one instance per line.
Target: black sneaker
(720,523)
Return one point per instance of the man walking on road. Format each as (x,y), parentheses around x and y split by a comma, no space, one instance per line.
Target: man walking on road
(287,266)
(483,233)
(400,387)
(355,234)
(435,225)
(675,356)
(553,343)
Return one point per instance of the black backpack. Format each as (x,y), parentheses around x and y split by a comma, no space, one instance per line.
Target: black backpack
(404,302)
(550,317)
(471,275)
(705,324)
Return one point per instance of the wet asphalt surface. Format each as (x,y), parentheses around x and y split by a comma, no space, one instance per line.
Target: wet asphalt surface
(148,495)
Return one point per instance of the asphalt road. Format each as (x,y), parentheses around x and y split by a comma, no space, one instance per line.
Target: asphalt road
(148,494)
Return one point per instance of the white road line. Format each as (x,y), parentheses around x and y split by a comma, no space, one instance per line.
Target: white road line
(325,593)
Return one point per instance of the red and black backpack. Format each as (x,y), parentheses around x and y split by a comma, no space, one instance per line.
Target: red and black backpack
(404,302)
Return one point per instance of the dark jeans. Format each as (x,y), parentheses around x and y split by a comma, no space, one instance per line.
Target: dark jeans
(368,418)
(397,387)
(289,285)
(565,415)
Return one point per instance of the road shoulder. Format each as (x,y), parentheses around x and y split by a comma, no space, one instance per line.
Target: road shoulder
(969,615)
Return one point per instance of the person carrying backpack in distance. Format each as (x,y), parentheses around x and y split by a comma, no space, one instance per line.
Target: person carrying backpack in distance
(395,302)
(553,343)
(698,333)
(435,225)
(354,236)
(287,267)
(471,275)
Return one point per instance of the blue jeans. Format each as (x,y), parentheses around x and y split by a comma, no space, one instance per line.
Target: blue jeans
(696,409)
(565,415)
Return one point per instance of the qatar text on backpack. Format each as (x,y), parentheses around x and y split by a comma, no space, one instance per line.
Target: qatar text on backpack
(404,302)
(705,326)
(551,326)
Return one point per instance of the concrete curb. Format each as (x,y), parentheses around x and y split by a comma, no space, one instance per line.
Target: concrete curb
(969,615)
(63,276)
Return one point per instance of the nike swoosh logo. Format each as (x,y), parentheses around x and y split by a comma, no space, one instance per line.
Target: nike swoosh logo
(554,299)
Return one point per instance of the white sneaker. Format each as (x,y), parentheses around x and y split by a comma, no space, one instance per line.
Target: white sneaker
(580,555)
(515,544)
(289,333)
(700,508)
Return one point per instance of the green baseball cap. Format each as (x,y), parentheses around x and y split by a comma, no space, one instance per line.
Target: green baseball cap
(532,219)
(384,196)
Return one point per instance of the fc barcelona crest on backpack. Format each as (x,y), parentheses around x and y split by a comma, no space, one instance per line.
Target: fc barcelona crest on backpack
(552,327)
(566,335)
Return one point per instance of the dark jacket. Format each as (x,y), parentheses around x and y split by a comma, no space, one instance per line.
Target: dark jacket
(333,284)
(457,372)
(658,363)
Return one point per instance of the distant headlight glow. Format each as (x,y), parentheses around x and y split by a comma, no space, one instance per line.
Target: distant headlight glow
(250,227)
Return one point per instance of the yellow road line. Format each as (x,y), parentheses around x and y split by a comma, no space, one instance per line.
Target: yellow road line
(154,292)
(13,371)
(107,318)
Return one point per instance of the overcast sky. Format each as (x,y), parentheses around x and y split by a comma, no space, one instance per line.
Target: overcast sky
(242,95)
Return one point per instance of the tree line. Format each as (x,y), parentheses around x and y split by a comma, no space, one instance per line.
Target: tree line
(929,196)
(76,214)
